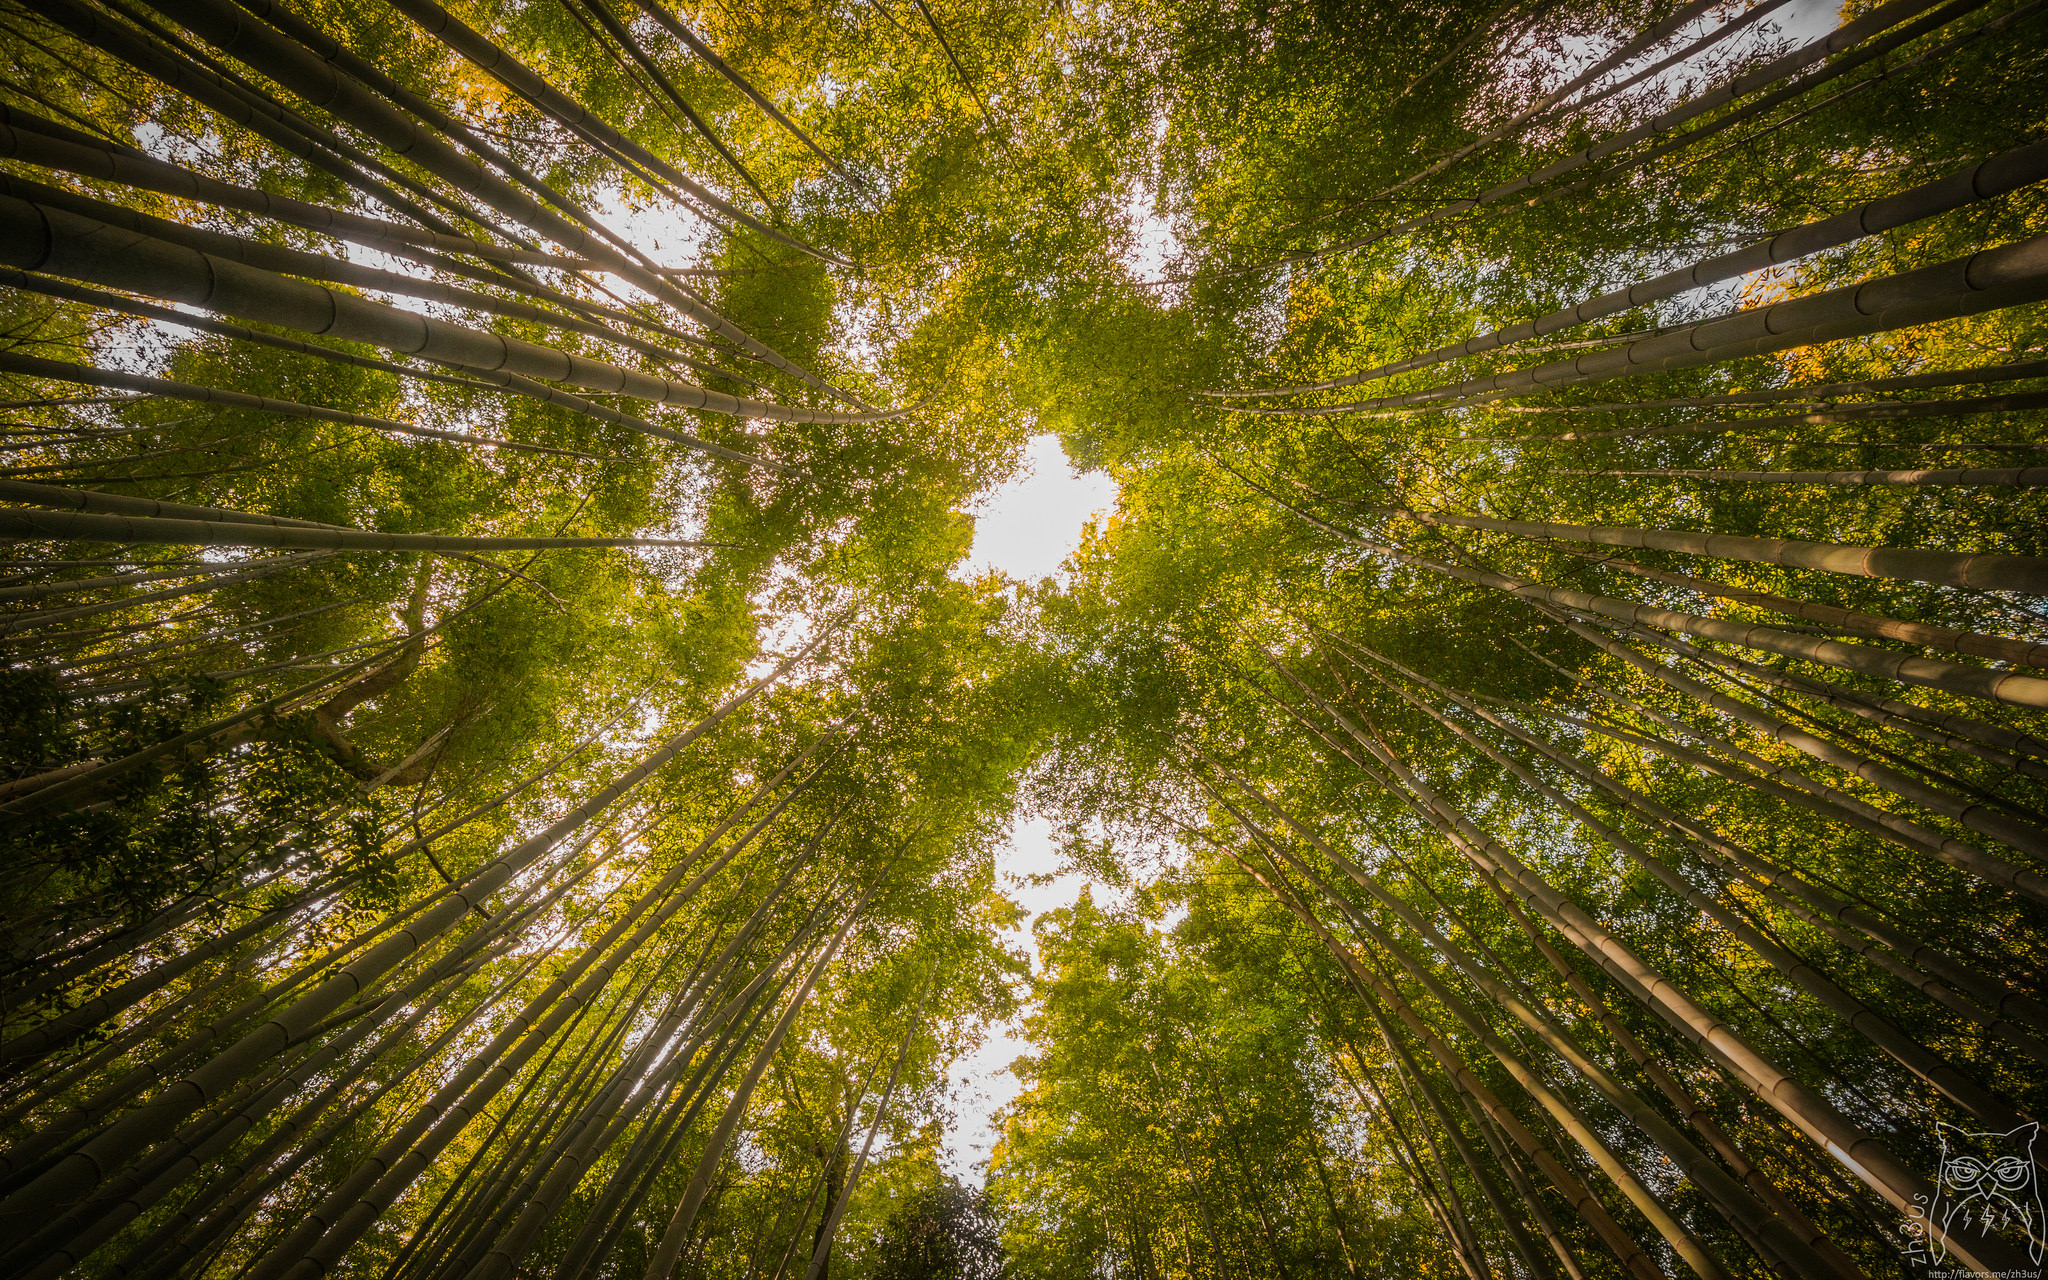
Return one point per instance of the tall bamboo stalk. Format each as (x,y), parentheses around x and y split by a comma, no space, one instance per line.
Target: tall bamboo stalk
(83,1170)
(1862,1153)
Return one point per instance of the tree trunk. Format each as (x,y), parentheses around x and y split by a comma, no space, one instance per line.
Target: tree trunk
(1842,38)
(1654,36)
(38,238)
(1835,618)
(840,1198)
(2006,276)
(78,1174)
(678,1231)
(1950,677)
(1863,1154)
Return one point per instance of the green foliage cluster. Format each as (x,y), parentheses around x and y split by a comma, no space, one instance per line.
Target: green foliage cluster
(278,775)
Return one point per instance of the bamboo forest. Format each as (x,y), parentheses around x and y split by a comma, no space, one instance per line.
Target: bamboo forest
(515,744)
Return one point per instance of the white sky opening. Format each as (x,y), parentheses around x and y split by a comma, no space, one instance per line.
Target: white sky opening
(980,1082)
(666,232)
(1028,526)
(1153,243)
(1025,529)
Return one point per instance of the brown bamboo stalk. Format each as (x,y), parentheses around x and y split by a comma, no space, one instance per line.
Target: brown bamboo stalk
(1813,393)
(1732,673)
(1688,1247)
(1625,1250)
(1862,1153)
(1791,1241)
(656,1145)
(55,586)
(1682,1099)
(1648,39)
(1988,1001)
(2005,276)
(339,270)
(1948,676)
(134,1192)
(1984,571)
(235,100)
(2009,171)
(602,12)
(77,1020)
(181,1237)
(80,1172)
(1449,1205)
(531,86)
(1848,621)
(537,1209)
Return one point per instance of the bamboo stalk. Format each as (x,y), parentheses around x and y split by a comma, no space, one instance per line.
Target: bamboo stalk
(1850,621)
(37,238)
(2006,172)
(670,1246)
(32,522)
(1985,993)
(2006,276)
(1950,677)
(1957,477)
(1861,1153)
(80,1172)
(1843,39)
(1625,1250)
